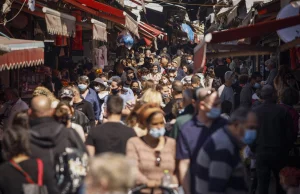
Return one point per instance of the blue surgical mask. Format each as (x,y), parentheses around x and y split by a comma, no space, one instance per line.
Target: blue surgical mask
(213,113)
(82,87)
(249,136)
(256,86)
(156,133)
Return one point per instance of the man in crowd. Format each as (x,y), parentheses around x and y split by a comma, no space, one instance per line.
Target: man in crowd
(89,95)
(194,133)
(219,165)
(189,98)
(274,139)
(271,66)
(221,69)
(111,136)
(48,137)
(225,91)
(83,105)
(177,88)
(195,81)
(248,90)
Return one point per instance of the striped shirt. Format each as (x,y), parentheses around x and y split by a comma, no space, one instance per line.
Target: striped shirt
(219,166)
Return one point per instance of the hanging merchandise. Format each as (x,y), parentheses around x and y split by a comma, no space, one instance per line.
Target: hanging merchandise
(126,39)
(100,55)
(188,30)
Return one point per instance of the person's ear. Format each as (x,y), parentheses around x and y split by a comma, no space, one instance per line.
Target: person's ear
(29,111)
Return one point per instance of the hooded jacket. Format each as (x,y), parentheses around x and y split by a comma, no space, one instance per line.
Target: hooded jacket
(49,138)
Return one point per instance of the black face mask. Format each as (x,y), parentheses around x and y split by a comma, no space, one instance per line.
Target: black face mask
(115,91)
(136,90)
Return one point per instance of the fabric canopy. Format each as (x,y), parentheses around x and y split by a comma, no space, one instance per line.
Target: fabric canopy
(99,30)
(59,23)
(18,53)
(147,28)
(131,25)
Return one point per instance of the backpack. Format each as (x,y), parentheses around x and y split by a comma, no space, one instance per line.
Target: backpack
(71,169)
(217,82)
(31,187)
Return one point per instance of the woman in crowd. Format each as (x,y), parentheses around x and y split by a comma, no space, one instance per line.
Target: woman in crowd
(110,173)
(153,152)
(152,96)
(132,121)
(63,114)
(17,152)
(135,87)
(188,70)
(21,119)
(280,82)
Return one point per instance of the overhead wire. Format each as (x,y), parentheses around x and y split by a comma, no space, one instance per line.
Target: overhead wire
(5,22)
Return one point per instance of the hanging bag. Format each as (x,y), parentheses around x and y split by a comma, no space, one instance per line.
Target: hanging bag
(31,187)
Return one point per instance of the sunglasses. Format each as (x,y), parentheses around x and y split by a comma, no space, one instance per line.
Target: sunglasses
(158,158)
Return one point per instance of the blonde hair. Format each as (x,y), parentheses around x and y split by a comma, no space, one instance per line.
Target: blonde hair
(42,91)
(152,96)
(114,169)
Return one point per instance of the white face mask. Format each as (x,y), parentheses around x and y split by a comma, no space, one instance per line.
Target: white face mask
(165,81)
(172,79)
(155,71)
(189,61)
(97,88)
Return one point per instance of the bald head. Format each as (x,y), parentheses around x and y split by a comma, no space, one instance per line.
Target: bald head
(41,107)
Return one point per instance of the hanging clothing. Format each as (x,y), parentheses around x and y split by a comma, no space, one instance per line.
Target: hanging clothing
(100,55)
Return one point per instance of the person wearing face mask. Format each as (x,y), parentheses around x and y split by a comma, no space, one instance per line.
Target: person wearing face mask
(220,169)
(153,152)
(225,91)
(78,117)
(189,60)
(248,90)
(117,88)
(130,75)
(100,88)
(154,75)
(271,66)
(80,104)
(275,138)
(89,95)
(135,87)
(195,132)
(177,89)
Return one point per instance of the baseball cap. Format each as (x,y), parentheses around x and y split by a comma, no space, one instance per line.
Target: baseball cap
(99,81)
(66,93)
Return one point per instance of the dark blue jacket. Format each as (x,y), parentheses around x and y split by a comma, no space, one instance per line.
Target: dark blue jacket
(92,97)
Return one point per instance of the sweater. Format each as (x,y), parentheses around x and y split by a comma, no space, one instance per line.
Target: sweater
(145,158)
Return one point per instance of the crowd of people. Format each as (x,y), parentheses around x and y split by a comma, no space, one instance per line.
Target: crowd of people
(152,115)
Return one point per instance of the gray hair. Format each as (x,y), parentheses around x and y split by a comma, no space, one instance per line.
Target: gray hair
(239,115)
(228,75)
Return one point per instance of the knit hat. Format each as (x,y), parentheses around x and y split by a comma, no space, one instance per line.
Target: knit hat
(147,110)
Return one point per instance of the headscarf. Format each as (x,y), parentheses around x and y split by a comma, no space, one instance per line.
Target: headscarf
(146,111)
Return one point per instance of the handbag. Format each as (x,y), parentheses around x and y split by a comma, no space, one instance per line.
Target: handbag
(31,187)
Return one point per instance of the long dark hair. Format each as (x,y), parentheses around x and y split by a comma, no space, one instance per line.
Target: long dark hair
(15,142)
(21,119)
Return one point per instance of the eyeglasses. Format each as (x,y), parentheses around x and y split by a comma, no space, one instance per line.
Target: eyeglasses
(158,158)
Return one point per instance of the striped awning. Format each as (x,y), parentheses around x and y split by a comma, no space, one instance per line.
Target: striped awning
(17,53)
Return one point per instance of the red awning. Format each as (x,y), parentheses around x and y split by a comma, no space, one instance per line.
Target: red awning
(259,29)
(149,29)
(102,7)
(18,53)
(148,41)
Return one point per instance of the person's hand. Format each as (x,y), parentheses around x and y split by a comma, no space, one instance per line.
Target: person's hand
(153,184)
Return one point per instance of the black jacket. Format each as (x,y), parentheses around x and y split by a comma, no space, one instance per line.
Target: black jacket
(49,138)
(87,108)
(275,131)
(82,120)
